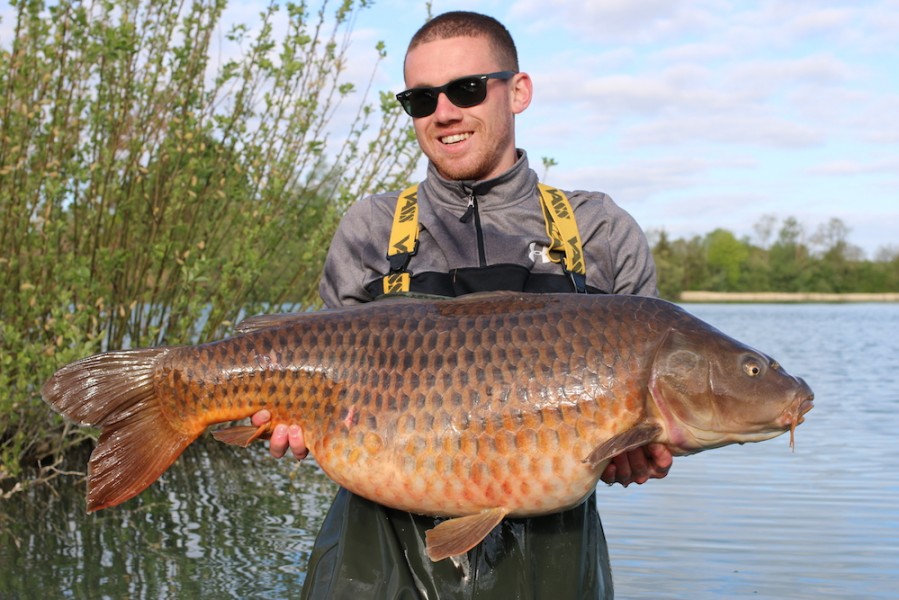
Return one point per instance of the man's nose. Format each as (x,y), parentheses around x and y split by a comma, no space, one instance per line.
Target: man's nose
(446,110)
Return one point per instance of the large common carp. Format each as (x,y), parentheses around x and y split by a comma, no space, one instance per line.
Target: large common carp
(482,407)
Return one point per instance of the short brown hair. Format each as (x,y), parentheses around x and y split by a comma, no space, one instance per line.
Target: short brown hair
(470,24)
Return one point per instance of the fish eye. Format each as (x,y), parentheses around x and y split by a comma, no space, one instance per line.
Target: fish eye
(752,367)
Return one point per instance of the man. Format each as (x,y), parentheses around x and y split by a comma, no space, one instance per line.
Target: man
(481,228)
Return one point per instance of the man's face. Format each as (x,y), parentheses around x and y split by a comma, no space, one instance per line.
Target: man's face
(474,143)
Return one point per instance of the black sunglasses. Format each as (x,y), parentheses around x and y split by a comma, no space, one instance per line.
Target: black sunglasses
(464,92)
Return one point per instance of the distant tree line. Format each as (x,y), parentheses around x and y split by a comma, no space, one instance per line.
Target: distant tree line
(781,259)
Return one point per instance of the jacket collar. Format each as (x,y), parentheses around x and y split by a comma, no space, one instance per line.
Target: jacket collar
(517,184)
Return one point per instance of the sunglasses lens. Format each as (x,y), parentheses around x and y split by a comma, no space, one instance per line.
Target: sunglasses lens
(420,103)
(467,92)
(464,93)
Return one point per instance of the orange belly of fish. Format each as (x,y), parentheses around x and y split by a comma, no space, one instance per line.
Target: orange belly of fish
(527,471)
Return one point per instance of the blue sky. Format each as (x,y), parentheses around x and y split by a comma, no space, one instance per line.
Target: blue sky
(701,114)
(693,114)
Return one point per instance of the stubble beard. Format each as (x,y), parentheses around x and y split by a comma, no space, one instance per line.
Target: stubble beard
(478,167)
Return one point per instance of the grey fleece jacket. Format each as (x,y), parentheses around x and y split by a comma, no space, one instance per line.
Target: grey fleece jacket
(617,254)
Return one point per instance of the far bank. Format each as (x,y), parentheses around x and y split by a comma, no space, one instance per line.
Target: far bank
(704,296)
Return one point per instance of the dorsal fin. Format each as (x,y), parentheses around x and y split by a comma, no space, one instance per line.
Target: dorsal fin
(260,322)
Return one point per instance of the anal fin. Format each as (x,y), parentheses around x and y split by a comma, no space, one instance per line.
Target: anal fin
(242,435)
(459,535)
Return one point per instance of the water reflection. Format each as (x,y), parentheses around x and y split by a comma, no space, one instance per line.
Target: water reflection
(751,521)
(222,523)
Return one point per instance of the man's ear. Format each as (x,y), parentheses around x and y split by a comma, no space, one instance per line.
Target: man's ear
(521,89)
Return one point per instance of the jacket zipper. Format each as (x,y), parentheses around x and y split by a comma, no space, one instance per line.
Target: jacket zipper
(472,210)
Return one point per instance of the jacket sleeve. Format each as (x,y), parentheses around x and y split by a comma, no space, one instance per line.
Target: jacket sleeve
(616,250)
(635,269)
(358,251)
(344,273)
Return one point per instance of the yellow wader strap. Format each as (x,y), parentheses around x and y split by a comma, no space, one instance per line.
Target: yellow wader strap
(403,241)
(563,234)
(560,227)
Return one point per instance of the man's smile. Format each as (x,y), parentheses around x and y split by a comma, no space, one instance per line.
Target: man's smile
(455,138)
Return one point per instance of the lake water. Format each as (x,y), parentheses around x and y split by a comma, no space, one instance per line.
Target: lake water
(753,521)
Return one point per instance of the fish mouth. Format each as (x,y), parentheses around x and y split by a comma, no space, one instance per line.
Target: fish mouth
(805,405)
(797,417)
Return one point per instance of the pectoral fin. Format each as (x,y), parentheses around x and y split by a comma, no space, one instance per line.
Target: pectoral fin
(242,435)
(459,535)
(627,440)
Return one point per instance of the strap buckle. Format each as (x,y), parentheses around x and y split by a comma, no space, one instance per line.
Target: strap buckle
(400,260)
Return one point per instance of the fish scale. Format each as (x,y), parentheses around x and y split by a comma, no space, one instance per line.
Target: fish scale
(477,408)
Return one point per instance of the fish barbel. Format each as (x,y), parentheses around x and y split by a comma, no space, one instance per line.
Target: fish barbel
(477,408)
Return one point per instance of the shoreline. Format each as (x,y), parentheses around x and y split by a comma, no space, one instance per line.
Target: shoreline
(702,296)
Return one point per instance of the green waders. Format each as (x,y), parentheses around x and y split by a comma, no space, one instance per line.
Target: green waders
(366,551)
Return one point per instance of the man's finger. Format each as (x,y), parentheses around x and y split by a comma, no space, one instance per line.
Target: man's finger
(277,446)
(623,473)
(639,465)
(297,442)
(261,418)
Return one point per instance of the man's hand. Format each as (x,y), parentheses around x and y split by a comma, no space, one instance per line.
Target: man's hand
(283,437)
(639,465)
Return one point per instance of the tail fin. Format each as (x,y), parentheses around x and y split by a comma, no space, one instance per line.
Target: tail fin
(116,391)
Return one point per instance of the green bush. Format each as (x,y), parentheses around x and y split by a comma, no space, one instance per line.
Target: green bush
(149,195)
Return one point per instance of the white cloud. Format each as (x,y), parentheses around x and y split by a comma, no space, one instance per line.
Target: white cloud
(774,74)
(615,21)
(638,180)
(824,21)
(733,129)
(851,168)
